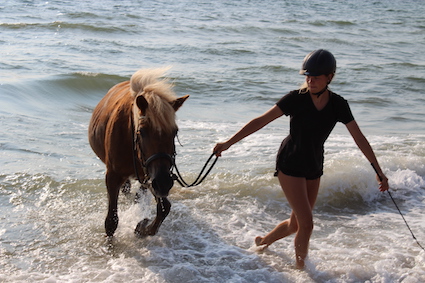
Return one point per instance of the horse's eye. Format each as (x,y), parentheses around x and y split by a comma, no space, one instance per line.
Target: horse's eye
(143,133)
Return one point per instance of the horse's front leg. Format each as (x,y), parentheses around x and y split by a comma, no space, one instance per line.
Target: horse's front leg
(113,184)
(163,207)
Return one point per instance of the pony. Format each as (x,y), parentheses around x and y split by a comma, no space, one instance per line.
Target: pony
(132,130)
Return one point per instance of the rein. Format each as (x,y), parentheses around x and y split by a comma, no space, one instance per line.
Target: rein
(199,179)
(171,159)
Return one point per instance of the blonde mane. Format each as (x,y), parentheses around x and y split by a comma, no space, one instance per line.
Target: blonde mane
(159,94)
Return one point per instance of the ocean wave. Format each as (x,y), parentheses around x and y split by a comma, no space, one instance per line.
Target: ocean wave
(347,183)
(87,81)
(341,23)
(374,101)
(83,15)
(416,79)
(60,86)
(61,25)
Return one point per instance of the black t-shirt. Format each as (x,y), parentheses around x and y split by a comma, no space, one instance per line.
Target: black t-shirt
(301,153)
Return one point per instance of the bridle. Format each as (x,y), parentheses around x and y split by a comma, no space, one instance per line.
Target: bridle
(162,155)
(146,162)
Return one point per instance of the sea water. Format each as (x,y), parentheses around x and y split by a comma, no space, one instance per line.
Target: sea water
(235,59)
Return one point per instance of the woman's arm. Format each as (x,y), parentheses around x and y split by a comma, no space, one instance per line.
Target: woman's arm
(367,150)
(251,127)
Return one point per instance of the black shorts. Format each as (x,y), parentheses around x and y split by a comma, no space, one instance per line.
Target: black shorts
(300,173)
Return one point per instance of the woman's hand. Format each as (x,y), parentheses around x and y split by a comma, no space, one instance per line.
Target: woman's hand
(383,182)
(219,147)
(251,127)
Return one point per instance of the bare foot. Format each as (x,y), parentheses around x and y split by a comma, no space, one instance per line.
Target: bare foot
(259,242)
(300,264)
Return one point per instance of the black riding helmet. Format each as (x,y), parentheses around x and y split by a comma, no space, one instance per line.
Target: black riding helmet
(318,62)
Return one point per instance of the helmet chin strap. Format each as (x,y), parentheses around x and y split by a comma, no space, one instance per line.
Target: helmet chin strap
(318,94)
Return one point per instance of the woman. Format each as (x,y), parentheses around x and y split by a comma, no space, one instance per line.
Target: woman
(314,110)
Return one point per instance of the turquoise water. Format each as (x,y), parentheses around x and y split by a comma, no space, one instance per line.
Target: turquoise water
(235,60)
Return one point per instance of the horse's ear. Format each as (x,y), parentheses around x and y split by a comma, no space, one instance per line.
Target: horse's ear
(142,103)
(179,102)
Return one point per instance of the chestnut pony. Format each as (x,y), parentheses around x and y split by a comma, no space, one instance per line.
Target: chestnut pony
(132,131)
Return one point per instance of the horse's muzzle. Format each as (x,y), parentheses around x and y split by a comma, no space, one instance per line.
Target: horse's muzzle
(162,183)
(160,173)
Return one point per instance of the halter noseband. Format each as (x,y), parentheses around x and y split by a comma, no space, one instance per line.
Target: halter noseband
(159,155)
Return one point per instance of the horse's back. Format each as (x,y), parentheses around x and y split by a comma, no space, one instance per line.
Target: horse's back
(110,126)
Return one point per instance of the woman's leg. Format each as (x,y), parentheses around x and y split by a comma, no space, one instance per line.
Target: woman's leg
(302,204)
(286,228)
(301,195)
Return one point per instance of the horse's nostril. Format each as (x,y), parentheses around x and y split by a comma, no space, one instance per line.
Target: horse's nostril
(162,185)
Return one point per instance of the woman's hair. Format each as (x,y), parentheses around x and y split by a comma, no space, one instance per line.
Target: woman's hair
(304,87)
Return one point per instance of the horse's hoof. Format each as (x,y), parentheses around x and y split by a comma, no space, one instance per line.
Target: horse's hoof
(111,224)
(110,243)
(141,230)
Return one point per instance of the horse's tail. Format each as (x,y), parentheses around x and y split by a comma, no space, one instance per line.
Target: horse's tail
(148,80)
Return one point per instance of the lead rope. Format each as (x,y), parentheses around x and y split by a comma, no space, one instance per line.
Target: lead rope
(198,180)
(399,211)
